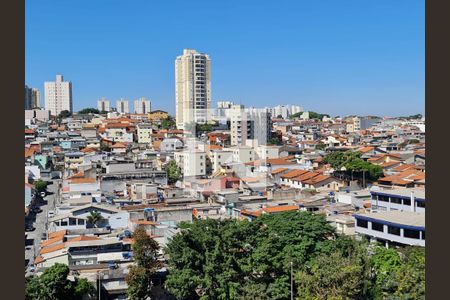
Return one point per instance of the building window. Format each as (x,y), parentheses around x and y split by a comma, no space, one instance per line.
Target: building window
(383,198)
(396,200)
(423,235)
(377,226)
(63,223)
(407,201)
(72,221)
(412,234)
(361,223)
(394,230)
(80,222)
(421,204)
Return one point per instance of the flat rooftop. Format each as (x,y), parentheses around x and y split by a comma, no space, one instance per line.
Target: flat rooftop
(418,193)
(407,218)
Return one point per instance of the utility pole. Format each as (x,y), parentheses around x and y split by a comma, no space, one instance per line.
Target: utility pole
(292,283)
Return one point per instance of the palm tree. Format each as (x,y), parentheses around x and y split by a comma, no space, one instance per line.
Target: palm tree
(94,218)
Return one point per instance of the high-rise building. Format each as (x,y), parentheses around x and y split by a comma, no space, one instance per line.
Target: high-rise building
(35,98)
(122,106)
(103,105)
(142,106)
(58,95)
(249,124)
(28,98)
(192,88)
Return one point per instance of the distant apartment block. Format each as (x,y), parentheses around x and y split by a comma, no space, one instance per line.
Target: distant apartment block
(103,105)
(58,95)
(122,106)
(142,106)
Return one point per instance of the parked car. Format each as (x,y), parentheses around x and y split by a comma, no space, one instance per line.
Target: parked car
(29,227)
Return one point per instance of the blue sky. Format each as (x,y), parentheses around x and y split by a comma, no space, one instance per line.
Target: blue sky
(338,57)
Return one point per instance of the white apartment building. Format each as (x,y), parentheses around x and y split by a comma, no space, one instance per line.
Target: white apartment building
(103,105)
(249,123)
(285,111)
(144,133)
(142,106)
(192,88)
(122,106)
(58,95)
(220,157)
(192,163)
(265,152)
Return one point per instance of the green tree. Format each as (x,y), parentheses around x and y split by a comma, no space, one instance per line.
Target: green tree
(209,258)
(40,185)
(64,114)
(331,276)
(168,123)
(145,252)
(104,147)
(89,110)
(53,284)
(173,172)
(95,218)
(352,161)
(274,141)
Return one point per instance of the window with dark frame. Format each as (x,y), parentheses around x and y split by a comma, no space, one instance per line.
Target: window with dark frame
(412,234)
(377,226)
(362,223)
(394,230)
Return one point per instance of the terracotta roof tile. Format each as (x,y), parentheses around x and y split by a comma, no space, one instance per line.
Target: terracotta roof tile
(280,208)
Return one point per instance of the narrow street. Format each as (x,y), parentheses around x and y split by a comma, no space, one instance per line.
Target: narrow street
(39,222)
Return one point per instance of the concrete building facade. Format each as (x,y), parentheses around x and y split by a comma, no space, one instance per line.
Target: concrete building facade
(58,95)
(122,106)
(192,88)
(142,106)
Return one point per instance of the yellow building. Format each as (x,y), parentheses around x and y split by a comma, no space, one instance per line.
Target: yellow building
(157,116)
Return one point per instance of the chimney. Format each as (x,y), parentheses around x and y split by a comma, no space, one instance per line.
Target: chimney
(413,206)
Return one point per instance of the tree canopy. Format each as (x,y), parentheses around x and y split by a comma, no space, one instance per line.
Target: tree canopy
(173,172)
(168,123)
(64,114)
(53,284)
(231,259)
(89,110)
(352,161)
(145,251)
(40,185)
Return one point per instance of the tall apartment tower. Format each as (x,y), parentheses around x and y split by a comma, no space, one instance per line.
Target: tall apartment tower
(142,106)
(28,98)
(58,95)
(103,105)
(122,106)
(35,98)
(192,88)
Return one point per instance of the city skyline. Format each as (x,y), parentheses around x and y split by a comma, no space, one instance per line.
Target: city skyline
(329,65)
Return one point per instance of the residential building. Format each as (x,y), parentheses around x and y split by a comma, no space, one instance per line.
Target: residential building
(157,116)
(103,105)
(191,162)
(28,99)
(192,88)
(142,106)
(58,95)
(251,123)
(122,106)
(144,133)
(392,227)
